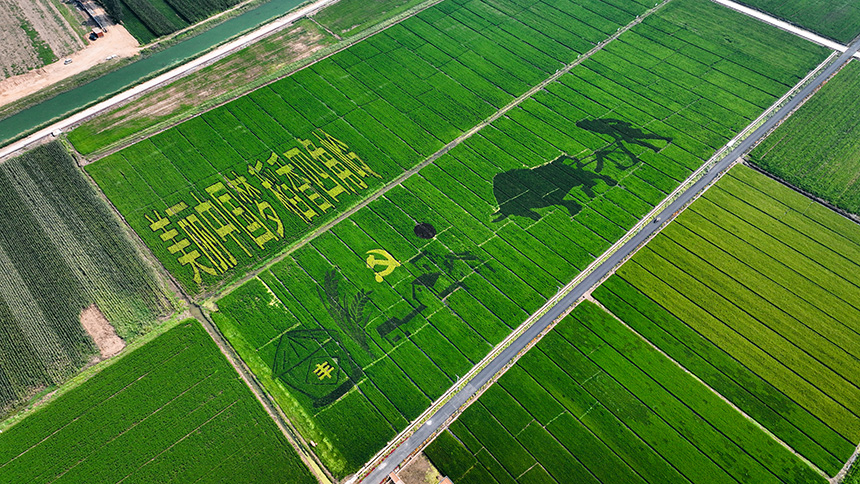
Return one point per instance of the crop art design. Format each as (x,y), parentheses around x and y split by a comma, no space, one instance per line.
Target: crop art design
(520,191)
(317,363)
(206,232)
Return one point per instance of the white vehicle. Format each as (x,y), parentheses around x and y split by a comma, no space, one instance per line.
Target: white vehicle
(67,62)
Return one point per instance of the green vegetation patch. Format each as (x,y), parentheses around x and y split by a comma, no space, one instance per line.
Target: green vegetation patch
(837,19)
(62,250)
(173,410)
(754,289)
(816,149)
(147,20)
(619,411)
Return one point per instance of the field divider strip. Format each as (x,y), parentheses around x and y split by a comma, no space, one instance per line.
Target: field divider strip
(435,156)
(695,178)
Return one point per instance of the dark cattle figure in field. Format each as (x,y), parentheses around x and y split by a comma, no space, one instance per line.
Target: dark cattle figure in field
(622,132)
(519,192)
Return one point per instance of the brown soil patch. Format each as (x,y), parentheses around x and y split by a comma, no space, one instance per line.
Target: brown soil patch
(101,331)
(420,471)
(116,42)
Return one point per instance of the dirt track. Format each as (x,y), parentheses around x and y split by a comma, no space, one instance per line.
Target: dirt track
(116,42)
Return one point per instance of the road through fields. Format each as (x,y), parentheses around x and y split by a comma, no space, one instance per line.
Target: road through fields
(383,464)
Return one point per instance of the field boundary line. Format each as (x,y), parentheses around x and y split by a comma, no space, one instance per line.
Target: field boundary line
(227,289)
(695,178)
(755,422)
(785,26)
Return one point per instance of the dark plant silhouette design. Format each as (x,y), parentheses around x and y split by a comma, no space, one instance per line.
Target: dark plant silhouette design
(348,312)
(521,191)
(622,133)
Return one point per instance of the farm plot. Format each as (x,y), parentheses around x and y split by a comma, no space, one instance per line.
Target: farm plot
(147,20)
(591,403)
(754,289)
(35,34)
(836,19)
(229,189)
(816,149)
(374,319)
(173,410)
(233,187)
(62,250)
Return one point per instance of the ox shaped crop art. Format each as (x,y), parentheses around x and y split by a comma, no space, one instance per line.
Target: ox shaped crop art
(521,191)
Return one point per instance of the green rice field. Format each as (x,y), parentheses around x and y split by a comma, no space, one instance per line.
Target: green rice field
(377,317)
(816,149)
(229,189)
(173,410)
(754,289)
(594,403)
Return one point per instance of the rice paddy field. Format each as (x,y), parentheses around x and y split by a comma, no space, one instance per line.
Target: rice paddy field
(62,250)
(816,148)
(173,410)
(754,290)
(836,19)
(592,402)
(229,189)
(374,319)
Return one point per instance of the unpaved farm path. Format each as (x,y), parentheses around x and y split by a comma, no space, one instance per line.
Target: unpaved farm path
(117,41)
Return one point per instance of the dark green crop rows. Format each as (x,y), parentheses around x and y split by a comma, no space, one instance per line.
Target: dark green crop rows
(148,19)
(172,411)
(62,249)
(374,319)
(816,149)
(593,403)
(754,289)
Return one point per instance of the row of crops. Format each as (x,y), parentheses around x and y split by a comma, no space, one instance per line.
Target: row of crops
(149,19)
(377,317)
(816,149)
(592,402)
(62,249)
(235,186)
(171,411)
(754,289)
(836,19)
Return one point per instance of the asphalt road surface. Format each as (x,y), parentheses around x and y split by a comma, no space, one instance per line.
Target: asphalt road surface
(380,474)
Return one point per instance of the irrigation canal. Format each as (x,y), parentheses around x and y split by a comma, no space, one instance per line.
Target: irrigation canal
(124,77)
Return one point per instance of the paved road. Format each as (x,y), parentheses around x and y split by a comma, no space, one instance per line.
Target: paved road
(416,440)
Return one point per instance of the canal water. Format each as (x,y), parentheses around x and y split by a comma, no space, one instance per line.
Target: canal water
(131,74)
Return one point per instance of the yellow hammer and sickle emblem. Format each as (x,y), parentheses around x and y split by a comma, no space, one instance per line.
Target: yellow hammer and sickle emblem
(388,261)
